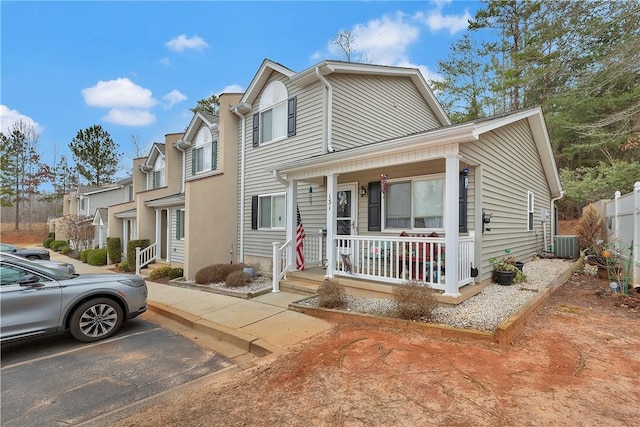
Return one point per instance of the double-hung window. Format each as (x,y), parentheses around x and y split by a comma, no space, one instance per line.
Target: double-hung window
(204,156)
(157,176)
(271,211)
(180,224)
(416,204)
(276,116)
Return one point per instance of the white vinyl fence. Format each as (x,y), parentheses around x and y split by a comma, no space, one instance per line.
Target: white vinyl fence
(623,224)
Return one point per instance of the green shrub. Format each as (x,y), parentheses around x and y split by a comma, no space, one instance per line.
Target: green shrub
(97,257)
(331,295)
(57,244)
(124,266)
(84,254)
(114,249)
(51,235)
(216,273)
(414,301)
(158,273)
(66,250)
(131,251)
(176,273)
(47,242)
(237,278)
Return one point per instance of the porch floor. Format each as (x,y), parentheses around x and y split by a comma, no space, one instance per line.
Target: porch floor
(307,282)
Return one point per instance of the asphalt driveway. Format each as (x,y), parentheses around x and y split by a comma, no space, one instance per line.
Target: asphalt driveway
(59,381)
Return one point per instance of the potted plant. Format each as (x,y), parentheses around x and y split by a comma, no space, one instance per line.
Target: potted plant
(504,271)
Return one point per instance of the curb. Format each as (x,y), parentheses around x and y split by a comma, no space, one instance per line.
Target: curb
(249,343)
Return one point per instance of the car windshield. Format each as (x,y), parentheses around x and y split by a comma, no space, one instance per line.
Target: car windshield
(52,273)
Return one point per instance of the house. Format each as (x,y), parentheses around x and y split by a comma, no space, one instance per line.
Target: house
(367,156)
(87,204)
(186,195)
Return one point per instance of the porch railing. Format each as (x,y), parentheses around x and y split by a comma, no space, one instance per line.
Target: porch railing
(281,263)
(145,256)
(401,259)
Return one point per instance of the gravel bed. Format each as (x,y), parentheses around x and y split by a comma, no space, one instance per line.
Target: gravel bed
(482,312)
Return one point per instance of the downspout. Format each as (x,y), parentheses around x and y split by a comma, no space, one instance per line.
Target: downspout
(242,191)
(326,84)
(553,218)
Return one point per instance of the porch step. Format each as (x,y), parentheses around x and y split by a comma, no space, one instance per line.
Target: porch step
(308,281)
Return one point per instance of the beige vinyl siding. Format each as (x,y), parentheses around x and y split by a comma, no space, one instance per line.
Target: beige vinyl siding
(376,108)
(134,229)
(511,167)
(307,142)
(176,246)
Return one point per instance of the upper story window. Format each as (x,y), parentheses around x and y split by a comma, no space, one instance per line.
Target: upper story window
(157,177)
(415,205)
(204,155)
(276,117)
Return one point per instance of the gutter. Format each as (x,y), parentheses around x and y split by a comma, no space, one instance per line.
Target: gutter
(553,228)
(235,111)
(326,84)
(280,179)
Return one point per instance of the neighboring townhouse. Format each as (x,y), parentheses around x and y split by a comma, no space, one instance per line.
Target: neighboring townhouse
(368,157)
(157,197)
(88,203)
(207,224)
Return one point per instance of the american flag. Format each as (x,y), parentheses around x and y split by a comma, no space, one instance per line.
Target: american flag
(299,242)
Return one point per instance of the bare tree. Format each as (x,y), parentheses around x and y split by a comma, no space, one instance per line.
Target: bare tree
(345,41)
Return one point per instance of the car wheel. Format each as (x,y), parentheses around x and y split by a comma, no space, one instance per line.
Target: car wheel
(32,257)
(95,320)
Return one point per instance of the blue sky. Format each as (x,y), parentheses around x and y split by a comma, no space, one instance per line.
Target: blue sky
(136,68)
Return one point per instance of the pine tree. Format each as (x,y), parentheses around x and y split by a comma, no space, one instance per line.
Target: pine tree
(96,155)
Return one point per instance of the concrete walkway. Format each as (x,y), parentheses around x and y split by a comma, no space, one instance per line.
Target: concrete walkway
(261,326)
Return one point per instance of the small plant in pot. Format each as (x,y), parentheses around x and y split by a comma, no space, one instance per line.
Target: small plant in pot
(506,271)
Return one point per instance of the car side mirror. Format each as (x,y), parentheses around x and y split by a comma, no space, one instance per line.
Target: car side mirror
(29,280)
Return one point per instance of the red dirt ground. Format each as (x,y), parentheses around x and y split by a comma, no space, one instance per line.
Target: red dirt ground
(576,363)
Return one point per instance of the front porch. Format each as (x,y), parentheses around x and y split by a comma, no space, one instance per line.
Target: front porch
(371,264)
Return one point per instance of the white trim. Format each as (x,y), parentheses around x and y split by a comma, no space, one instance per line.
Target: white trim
(531,210)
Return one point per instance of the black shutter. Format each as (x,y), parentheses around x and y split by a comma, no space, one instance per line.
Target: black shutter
(462,203)
(193,161)
(254,212)
(375,206)
(256,130)
(214,154)
(291,116)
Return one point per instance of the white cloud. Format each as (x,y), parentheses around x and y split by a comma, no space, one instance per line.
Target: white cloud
(129,117)
(232,89)
(174,97)
(8,117)
(436,21)
(316,55)
(165,62)
(183,42)
(118,93)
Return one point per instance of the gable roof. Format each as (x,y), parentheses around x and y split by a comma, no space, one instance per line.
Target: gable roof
(101,215)
(327,67)
(458,133)
(199,118)
(156,150)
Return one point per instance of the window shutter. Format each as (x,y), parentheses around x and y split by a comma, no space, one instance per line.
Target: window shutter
(256,130)
(375,206)
(214,154)
(291,116)
(193,161)
(254,212)
(462,204)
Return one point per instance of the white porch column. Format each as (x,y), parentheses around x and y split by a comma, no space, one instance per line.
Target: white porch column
(125,234)
(451,202)
(332,188)
(158,241)
(291,218)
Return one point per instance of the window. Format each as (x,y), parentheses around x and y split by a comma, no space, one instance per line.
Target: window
(530,209)
(415,204)
(157,176)
(276,117)
(204,156)
(271,211)
(180,224)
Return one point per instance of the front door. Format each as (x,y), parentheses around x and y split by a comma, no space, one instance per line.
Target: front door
(346,210)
